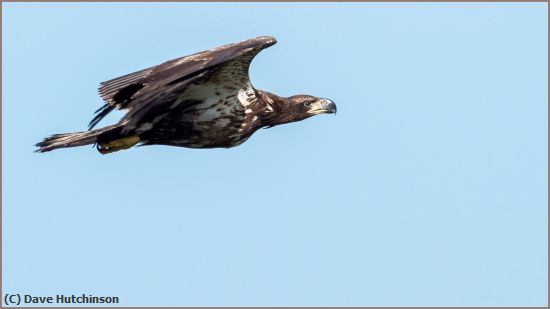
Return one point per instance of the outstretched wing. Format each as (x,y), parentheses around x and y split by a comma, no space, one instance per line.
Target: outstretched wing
(146,90)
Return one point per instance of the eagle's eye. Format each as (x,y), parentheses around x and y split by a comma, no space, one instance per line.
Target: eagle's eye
(307,103)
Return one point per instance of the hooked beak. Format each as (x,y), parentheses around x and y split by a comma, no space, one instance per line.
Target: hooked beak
(323,106)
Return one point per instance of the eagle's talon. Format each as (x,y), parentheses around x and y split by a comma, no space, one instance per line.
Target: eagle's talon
(118,144)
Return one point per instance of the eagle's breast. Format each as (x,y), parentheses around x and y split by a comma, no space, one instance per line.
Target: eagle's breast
(221,116)
(216,111)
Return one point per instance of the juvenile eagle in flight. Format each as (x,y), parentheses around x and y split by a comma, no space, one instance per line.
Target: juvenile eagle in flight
(204,100)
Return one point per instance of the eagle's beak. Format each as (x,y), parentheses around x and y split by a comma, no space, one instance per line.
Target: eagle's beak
(323,106)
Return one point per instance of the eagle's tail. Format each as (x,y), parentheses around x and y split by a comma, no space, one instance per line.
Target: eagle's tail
(65,140)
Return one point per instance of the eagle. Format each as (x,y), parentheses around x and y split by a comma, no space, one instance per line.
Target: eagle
(204,100)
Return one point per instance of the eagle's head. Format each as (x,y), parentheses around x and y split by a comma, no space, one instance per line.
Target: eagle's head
(280,110)
(302,106)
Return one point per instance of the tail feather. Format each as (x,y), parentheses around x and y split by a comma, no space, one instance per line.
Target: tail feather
(72,139)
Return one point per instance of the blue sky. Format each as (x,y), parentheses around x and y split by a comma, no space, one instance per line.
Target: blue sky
(429,188)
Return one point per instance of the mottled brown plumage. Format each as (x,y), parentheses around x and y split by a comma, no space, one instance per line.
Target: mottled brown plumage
(204,100)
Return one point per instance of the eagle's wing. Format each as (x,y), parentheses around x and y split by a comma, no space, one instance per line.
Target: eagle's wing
(143,91)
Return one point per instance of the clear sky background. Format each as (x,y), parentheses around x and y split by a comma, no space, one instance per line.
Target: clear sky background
(429,187)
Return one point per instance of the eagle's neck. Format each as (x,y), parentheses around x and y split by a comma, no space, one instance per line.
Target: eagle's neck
(274,109)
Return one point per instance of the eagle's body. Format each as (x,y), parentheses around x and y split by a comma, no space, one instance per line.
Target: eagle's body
(204,100)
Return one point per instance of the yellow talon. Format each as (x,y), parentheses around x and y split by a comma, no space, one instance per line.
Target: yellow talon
(118,144)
